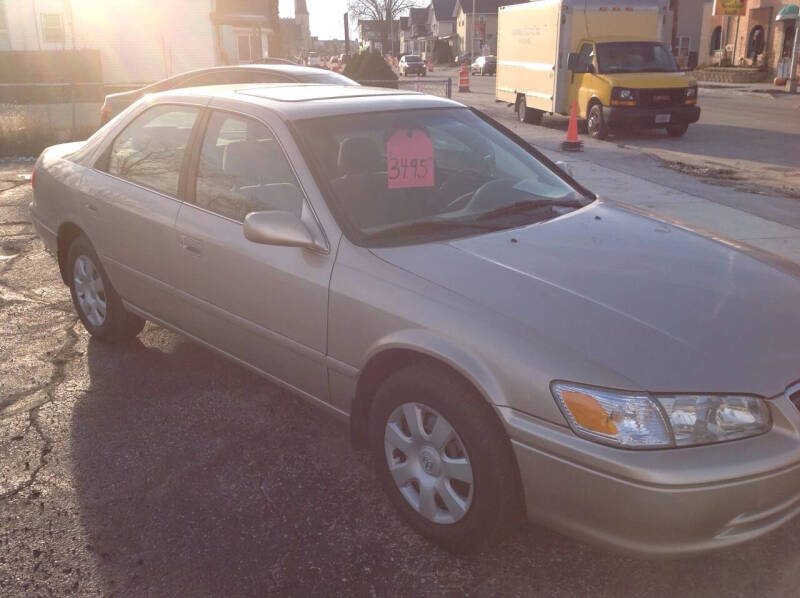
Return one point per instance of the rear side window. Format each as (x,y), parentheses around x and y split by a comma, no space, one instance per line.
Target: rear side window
(243,169)
(150,151)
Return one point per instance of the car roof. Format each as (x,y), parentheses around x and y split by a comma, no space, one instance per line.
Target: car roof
(293,101)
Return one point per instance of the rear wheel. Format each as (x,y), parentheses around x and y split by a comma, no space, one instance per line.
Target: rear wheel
(528,115)
(595,123)
(97,303)
(677,130)
(443,458)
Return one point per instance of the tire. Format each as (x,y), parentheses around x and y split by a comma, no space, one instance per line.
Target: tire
(595,123)
(98,305)
(677,130)
(528,115)
(459,515)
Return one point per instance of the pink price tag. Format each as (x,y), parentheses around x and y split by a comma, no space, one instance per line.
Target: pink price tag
(409,157)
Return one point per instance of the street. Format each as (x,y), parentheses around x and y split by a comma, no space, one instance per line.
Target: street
(744,141)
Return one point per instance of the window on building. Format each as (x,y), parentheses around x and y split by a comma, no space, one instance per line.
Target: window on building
(52,29)
(682,47)
(716,39)
(755,42)
(248,46)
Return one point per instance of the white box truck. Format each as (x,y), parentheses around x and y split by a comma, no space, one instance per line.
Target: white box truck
(605,57)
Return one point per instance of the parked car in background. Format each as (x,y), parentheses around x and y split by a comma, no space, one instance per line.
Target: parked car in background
(313,59)
(277,72)
(484,65)
(503,341)
(411,64)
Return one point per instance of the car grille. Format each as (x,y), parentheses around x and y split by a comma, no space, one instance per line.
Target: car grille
(657,98)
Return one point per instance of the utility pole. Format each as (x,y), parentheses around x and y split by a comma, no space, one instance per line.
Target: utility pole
(346,35)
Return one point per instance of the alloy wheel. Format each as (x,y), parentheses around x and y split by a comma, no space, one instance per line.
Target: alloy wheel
(90,291)
(429,463)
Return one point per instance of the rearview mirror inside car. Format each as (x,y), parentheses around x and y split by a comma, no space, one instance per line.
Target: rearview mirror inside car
(278,228)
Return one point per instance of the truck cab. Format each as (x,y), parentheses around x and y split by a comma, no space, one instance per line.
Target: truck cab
(630,84)
(605,59)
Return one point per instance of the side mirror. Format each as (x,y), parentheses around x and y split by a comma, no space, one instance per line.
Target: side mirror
(283,229)
(590,68)
(572,61)
(565,167)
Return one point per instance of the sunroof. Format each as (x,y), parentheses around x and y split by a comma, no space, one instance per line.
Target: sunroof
(304,93)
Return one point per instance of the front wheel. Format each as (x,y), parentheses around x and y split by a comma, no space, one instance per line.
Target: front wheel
(97,303)
(595,123)
(677,130)
(443,458)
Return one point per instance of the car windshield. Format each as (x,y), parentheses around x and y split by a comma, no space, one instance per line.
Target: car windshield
(412,58)
(634,57)
(406,177)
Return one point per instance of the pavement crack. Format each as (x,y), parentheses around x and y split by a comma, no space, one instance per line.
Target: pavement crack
(59,360)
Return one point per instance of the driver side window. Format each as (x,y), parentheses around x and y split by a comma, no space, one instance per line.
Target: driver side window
(243,169)
(585,58)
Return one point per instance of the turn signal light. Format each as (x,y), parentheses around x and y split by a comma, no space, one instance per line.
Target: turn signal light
(588,412)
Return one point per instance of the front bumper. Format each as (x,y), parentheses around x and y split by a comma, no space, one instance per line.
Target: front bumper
(660,502)
(631,117)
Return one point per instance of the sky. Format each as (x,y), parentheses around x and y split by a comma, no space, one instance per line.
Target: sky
(325,17)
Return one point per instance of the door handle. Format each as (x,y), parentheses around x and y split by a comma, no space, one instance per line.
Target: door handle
(191,244)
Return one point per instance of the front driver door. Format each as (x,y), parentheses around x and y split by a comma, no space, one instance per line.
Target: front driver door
(265,305)
(581,79)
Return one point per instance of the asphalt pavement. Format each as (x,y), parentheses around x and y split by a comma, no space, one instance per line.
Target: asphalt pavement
(156,468)
(743,153)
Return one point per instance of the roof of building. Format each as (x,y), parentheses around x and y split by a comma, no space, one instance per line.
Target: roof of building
(443,9)
(483,7)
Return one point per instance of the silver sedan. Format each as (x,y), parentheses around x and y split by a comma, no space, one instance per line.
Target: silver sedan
(504,342)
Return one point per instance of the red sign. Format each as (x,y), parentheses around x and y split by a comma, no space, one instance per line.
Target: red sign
(409,159)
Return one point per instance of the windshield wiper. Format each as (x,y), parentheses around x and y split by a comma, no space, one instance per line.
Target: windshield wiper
(529,204)
(428,226)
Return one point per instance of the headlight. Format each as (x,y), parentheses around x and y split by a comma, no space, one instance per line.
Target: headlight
(639,420)
(625,94)
(691,92)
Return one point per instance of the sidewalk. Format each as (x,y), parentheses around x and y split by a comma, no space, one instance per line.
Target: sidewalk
(731,223)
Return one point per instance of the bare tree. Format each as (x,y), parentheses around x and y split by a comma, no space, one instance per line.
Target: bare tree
(382,11)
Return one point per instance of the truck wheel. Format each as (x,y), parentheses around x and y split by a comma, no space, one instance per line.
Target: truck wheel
(528,115)
(677,130)
(595,123)
(444,459)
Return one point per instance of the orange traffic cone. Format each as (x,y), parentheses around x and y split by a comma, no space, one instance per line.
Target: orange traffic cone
(430,65)
(463,78)
(572,143)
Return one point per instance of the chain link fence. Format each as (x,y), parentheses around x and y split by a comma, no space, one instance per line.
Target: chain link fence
(429,85)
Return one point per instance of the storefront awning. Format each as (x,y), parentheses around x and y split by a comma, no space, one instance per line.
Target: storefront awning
(789,12)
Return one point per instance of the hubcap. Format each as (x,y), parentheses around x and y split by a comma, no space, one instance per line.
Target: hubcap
(90,291)
(429,463)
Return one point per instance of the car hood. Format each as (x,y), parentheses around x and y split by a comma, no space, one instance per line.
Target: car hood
(668,309)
